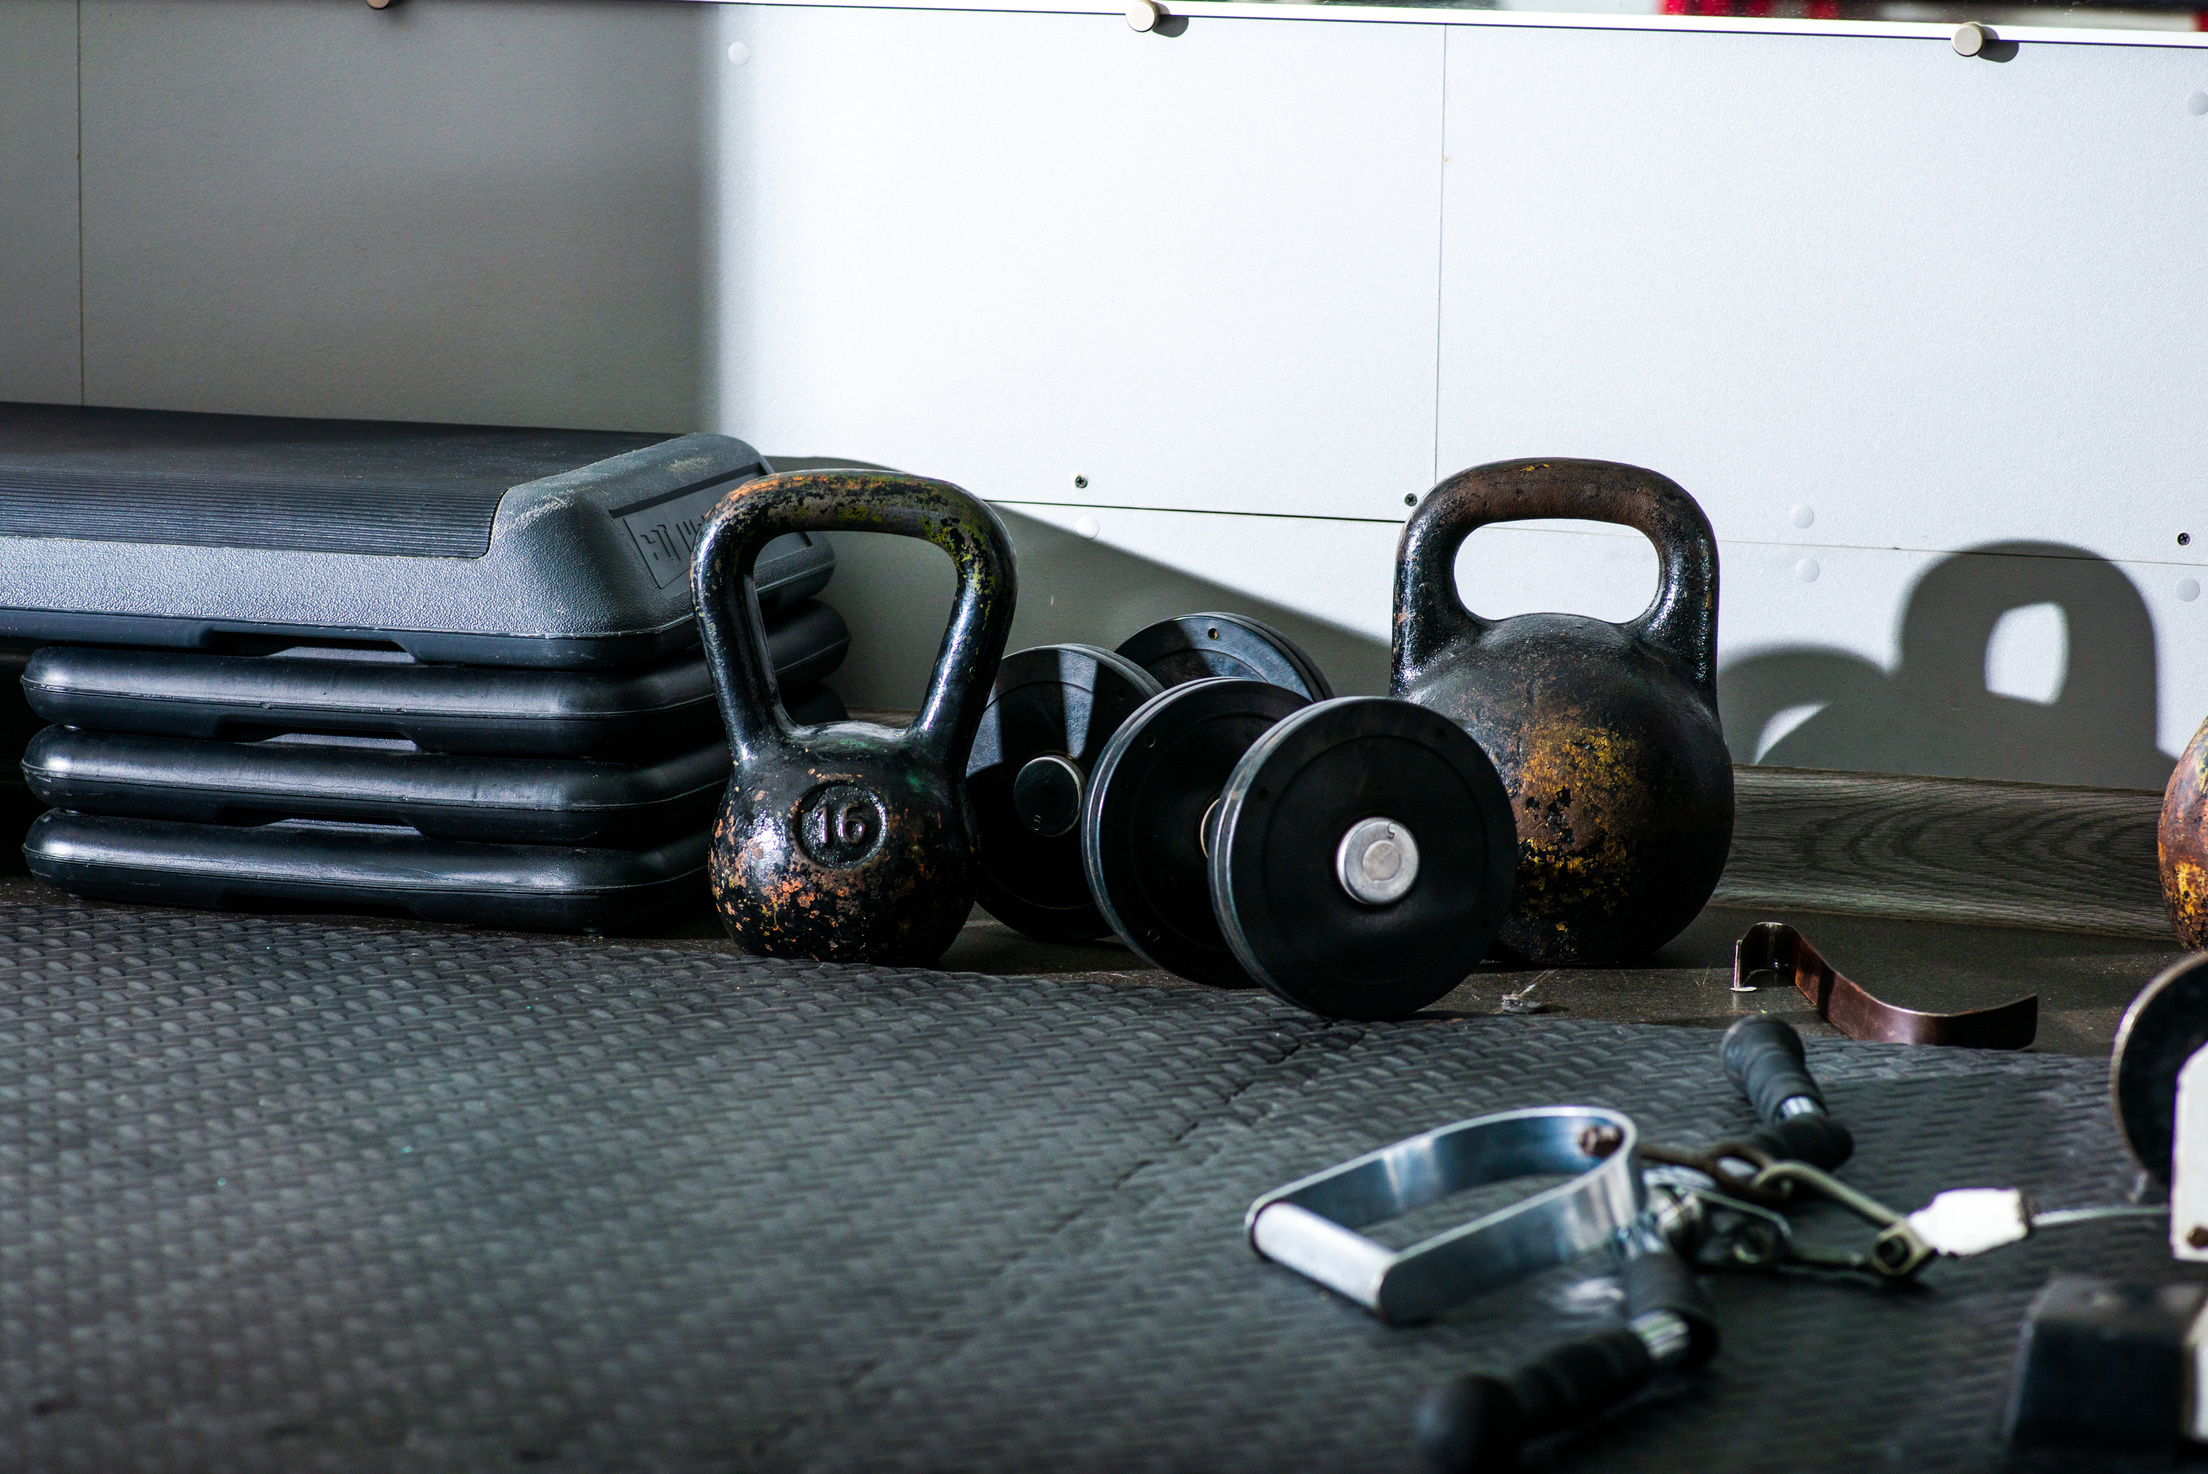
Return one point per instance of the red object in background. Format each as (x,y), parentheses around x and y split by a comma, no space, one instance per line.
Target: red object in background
(1736,7)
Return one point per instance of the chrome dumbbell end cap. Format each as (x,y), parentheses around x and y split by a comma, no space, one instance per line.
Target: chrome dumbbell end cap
(1376,862)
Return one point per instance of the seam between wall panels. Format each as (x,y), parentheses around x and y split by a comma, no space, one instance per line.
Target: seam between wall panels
(1613,533)
(81,356)
(1441,240)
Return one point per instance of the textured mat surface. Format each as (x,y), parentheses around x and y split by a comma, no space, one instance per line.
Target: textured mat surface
(276,1195)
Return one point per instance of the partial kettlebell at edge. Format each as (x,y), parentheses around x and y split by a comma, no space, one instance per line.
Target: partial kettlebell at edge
(2181,843)
(1606,735)
(849,842)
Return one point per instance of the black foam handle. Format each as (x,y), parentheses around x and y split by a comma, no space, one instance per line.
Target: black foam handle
(1477,1423)
(1469,1423)
(1818,1140)
(1658,1279)
(1764,1058)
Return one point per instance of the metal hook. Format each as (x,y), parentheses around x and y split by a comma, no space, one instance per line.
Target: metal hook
(1898,1252)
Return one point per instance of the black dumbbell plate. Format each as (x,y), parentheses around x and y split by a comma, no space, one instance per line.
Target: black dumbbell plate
(1197,646)
(1282,904)
(1051,713)
(1148,794)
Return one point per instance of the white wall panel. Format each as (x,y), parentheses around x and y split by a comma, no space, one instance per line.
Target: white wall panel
(1095,575)
(1860,295)
(1933,301)
(1010,249)
(2110,690)
(38,201)
(489,212)
(1338,573)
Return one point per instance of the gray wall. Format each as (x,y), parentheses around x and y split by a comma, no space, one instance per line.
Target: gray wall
(40,351)
(486,211)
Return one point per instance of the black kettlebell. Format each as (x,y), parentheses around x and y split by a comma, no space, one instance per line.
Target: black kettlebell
(849,842)
(1606,735)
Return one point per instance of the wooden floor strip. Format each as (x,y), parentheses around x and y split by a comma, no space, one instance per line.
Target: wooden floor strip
(1947,849)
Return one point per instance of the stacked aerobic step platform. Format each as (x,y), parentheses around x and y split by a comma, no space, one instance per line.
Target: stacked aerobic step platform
(442,670)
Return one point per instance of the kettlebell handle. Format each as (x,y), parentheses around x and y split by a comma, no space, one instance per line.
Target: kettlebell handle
(722,569)
(1681,622)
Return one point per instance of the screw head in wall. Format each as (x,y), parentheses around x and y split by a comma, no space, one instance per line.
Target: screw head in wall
(1972,38)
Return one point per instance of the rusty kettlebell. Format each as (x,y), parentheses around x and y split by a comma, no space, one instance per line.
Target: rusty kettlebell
(1606,735)
(849,842)
(2181,843)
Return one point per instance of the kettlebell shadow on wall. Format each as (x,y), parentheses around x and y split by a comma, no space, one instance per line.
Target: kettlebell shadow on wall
(1935,714)
(896,595)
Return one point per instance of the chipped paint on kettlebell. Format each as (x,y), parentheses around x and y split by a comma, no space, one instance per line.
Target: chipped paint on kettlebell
(1578,798)
(892,872)
(1606,736)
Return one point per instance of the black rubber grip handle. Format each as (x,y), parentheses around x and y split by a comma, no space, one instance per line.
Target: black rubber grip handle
(1468,1424)
(1478,1423)
(1818,1140)
(1659,1279)
(1764,1058)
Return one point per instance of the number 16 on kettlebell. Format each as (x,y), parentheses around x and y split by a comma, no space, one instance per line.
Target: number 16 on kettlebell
(1605,735)
(849,842)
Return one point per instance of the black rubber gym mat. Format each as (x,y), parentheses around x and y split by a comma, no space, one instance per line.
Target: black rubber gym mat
(280,1195)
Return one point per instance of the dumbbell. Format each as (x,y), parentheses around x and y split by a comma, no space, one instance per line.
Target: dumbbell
(1352,855)
(1050,713)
